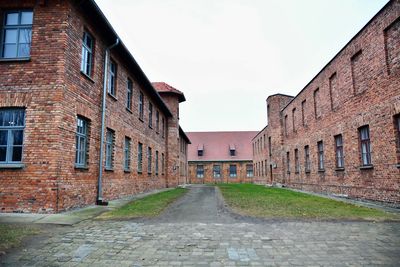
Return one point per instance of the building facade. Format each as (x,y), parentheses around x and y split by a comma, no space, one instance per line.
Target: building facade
(220,157)
(341,133)
(67,85)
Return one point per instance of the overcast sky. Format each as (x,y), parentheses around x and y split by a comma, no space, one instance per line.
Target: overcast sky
(227,56)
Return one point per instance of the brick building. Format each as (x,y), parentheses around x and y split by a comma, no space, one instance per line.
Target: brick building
(53,94)
(341,133)
(220,157)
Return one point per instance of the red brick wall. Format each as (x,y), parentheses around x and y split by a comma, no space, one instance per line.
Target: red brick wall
(54,92)
(360,86)
(209,176)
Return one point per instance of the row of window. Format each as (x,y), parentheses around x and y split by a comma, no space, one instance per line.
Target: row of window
(87,67)
(218,174)
(260,144)
(82,150)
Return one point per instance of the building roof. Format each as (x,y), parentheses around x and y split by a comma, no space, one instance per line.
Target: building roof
(163,88)
(216,146)
(99,18)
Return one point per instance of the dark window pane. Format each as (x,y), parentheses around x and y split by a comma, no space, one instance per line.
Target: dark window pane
(17,137)
(26,17)
(12,19)
(25,36)
(9,51)
(18,117)
(3,138)
(10,36)
(17,154)
(24,50)
(3,151)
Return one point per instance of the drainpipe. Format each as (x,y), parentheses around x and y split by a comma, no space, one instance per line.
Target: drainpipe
(99,200)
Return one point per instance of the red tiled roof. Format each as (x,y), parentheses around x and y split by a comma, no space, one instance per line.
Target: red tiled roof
(162,87)
(216,145)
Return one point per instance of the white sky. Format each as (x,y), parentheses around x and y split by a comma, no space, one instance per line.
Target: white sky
(227,56)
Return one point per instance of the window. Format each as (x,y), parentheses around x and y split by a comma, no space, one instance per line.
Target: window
(141,108)
(112,78)
(365,145)
(17,34)
(232,171)
(129,91)
(162,163)
(81,146)
(316,103)
(150,115)
(339,151)
(157,121)
(270,148)
(127,154)
(140,157)
(109,149)
(307,162)
(232,152)
(149,159)
(296,161)
(12,124)
(288,162)
(156,163)
(87,54)
(163,127)
(217,171)
(303,109)
(249,170)
(320,146)
(294,119)
(286,131)
(200,171)
(200,152)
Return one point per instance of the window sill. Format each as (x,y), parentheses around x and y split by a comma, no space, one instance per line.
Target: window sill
(398,166)
(141,119)
(297,172)
(366,167)
(151,127)
(321,170)
(21,59)
(112,96)
(339,169)
(127,171)
(129,110)
(84,168)
(307,171)
(12,166)
(139,172)
(157,132)
(109,169)
(87,77)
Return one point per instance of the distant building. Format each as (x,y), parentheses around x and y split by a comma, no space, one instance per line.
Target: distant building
(220,157)
(341,133)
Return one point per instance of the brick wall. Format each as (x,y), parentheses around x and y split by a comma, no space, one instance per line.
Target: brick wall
(54,92)
(359,87)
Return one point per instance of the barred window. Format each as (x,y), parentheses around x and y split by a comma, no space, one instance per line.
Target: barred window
(200,171)
(217,171)
(157,121)
(140,157)
(127,154)
(129,92)
(307,162)
(12,124)
(296,161)
(232,171)
(110,149)
(112,78)
(156,163)
(365,145)
(162,163)
(339,151)
(320,146)
(150,115)
(82,141)
(249,170)
(141,107)
(149,159)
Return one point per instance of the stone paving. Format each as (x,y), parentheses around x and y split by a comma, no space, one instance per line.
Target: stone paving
(231,243)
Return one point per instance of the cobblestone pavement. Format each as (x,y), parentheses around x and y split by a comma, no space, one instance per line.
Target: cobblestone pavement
(231,243)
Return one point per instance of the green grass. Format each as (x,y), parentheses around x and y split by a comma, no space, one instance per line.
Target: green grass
(149,206)
(12,235)
(260,201)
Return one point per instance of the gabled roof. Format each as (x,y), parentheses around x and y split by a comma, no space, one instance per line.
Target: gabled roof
(164,88)
(90,7)
(216,145)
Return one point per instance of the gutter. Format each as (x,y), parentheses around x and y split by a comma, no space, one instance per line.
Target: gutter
(99,200)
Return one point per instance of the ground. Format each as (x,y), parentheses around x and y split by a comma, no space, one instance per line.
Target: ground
(197,230)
